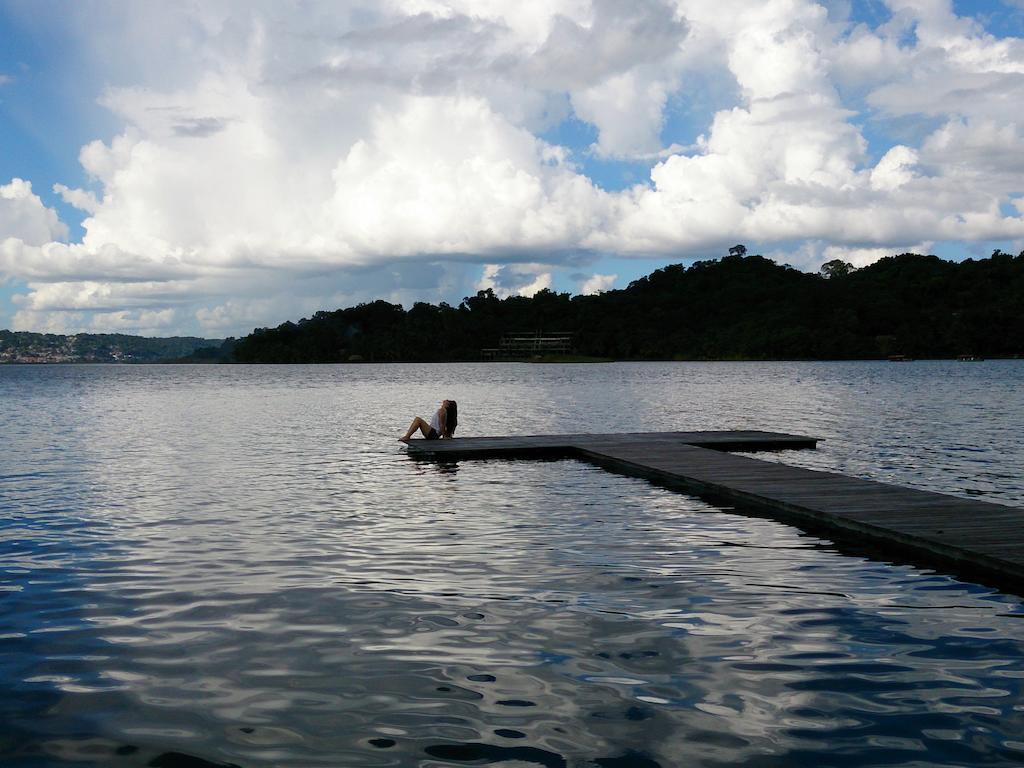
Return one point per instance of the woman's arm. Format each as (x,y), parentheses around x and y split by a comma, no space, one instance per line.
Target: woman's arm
(442,417)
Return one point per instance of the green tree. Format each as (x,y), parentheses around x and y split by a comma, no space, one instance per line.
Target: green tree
(836,268)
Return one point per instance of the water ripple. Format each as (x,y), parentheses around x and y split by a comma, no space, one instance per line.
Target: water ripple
(238,566)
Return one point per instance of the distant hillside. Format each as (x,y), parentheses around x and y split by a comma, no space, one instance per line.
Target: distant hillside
(22,347)
(738,307)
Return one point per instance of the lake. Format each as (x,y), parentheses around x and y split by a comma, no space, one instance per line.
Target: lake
(239,565)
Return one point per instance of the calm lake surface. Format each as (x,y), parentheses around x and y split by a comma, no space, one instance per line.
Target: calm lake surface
(240,566)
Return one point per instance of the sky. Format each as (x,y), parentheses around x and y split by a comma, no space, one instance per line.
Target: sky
(206,168)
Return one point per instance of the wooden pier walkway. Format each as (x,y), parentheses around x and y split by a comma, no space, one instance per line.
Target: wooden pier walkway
(977,537)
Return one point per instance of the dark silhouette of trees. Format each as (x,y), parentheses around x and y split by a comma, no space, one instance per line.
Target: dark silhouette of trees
(734,308)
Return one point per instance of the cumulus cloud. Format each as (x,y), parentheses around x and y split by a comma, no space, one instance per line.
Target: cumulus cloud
(77,198)
(597,284)
(142,322)
(25,218)
(895,169)
(89,295)
(59,262)
(232,314)
(514,279)
(640,47)
(276,162)
(954,68)
(812,254)
(983,147)
(451,176)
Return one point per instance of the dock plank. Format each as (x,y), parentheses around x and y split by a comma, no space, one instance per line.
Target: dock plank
(938,529)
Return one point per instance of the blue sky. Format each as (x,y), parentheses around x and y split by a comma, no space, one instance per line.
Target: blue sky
(47,113)
(208,170)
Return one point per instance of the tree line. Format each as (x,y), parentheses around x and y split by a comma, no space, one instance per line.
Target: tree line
(736,307)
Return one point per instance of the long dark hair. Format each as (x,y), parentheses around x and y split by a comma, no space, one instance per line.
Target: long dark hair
(451,417)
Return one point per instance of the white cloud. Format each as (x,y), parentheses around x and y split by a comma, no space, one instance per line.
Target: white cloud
(50,322)
(225,318)
(269,162)
(597,284)
(895,169)
(83,200)
(811,255)
(866,57)
(540,283)
(514,279)
(619,70)
(451,176)
(24,217)
(989,149)
(89,295)
(230,315)
(56,262)
(955,67)
(141,322)
(862,257)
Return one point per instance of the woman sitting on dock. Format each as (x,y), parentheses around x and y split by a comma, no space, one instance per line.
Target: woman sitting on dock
(442,425)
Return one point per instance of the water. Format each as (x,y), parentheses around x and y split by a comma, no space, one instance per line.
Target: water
(239,565)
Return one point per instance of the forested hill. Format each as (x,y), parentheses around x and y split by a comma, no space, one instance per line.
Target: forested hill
(23,347)
(738,307)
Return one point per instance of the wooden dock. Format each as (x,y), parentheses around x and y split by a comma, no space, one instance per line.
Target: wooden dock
(978,538)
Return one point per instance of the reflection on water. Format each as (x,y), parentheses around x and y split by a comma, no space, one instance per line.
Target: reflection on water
(240,566)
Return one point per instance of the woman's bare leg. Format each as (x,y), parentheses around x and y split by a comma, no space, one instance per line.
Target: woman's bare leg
(417,423)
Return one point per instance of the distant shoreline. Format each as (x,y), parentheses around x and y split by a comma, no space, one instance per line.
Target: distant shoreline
(129,363)
(738,308)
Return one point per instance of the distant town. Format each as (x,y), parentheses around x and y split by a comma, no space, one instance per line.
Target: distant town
(24,347)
